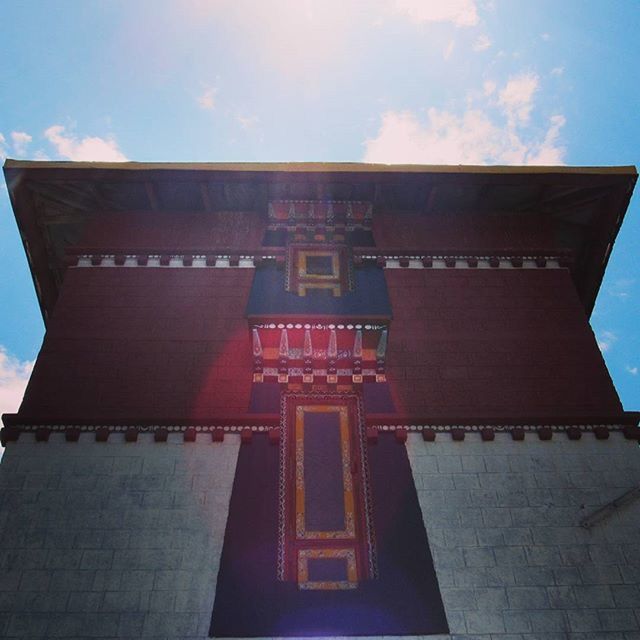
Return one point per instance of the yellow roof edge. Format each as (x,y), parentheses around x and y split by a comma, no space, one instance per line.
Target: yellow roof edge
(319,167)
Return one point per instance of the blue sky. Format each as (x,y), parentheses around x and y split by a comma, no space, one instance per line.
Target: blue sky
(429,81)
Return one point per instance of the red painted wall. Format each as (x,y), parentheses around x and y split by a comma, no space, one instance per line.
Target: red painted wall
(145,343)
(171,231)
(173,343)
(493,343)
(150,343)
(462,231)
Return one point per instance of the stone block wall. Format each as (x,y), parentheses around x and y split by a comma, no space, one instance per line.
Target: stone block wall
(122,540)
(503,520)
(112,540)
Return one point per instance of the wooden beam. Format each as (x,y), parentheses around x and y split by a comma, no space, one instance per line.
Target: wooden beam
(151,194)
(567,197)
(431,198)
(49,212)
(103,203)
(54,193)
(60,218)
(227,195)
(376,194)
(206,196)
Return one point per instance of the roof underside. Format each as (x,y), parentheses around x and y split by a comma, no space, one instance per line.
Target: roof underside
(53,200)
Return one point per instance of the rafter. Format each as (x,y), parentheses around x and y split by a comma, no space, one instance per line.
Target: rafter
(55,194)
(206,196)
(152,195)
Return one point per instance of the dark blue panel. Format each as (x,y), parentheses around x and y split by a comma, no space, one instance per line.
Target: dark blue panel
(327,569)
(377,398)
(250,602)
(275,238)
(360,238)
(368,298)
(265,397)
(323,481)
(319,265)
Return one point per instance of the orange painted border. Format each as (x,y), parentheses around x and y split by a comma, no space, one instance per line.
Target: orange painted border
(349,501)
(303,569)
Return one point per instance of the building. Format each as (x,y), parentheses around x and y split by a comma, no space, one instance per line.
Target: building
(319,400)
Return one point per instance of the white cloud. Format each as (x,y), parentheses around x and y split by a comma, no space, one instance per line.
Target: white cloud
(517,97)
(20,141)
(207,100)
(462,13)
(557,71)
(89,148)
(14,375)
(481,134)
(444,139)
(306,40)
(246,122)
(549,152)
(489,87)
(3,147)
(448,50)
(482,43)
(620,288)
(545,36)
(632,370)
(309,40)
(606,340)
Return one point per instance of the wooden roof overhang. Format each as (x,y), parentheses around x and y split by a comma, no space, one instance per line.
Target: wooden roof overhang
(52,201)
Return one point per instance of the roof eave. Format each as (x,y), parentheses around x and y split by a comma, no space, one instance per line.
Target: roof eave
(39,260)
(319,167)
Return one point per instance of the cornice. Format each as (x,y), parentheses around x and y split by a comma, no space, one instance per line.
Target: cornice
(270,426)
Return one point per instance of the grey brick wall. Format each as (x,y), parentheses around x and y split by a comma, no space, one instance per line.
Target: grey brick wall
(112,540)
(503,524)
(123,540)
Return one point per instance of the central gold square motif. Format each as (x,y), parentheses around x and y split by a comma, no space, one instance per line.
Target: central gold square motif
(318,269)
(318,265)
